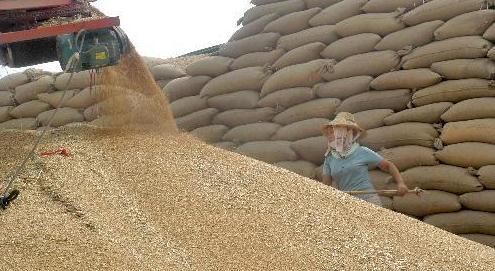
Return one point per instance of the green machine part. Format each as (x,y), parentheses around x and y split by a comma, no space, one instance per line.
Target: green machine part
(96,48)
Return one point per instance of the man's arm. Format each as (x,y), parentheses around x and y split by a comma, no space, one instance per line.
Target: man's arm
(389,167)
(327,180)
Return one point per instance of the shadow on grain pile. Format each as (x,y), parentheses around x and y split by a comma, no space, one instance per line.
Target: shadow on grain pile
(156,201)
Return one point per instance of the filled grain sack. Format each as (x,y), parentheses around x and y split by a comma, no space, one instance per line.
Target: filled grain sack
(264,2)
(319,108)
(421,134)
(487,176)
(300,75)
(185,87)
(303,168)
(286,98)
(464,222)
(211,133)
(325,34)
(377,23)
(478,130)
(381,181)
(469,24)
(263,42)
(251,78)
(352,45)
(414,37)
(383,6)
(268,151)
(454,91)
(28,92)
(300,55)
(451,179)
(490,33)
(87,97)
(229,146)
(258,59)
(396,100)
(338,12)
(212,66)
(188,105)
(79,80)
(343,88)
(20,124)
(479,201)
(430,113)
(372,64)
(411,79)
(311,149)
(57,98)
(469,154)
(406,157)
(30,109)
(426,203)
(386,202)
(64,116)
(292,23)
(300,130)
(371,119)
(166,71)
(5,113)
(237,117)
(281,8)
(454,48)
(163,83)
(483,68)
(244,99)
(196,120)
(491,54)
(11,81)
(441,10)
(262,131)
(253,28)
(485,239)
(6,98)
(320,3)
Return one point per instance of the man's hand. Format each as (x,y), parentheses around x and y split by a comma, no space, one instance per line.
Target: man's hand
(402,189)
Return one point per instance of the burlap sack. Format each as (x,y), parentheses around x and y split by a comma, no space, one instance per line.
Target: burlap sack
(185,87)
(386,202)
(303,168)
(244,99)
(57,98)
(268,151)
(421,134)
(263,42)
(396,100)
(372,119)
(319,108)
(311,149)
(382,6)
(454,48)
(300,75)
(211,133)
(28,92)
(487,176)
(381,181)
(197,119)
(372,64)
(300,55)
(478,108)
(377,23)
(479,201)
(338,12)
(349,46)
(325,34)
(11,81)
(254,27)
(20,124)
(343,88)
(454,91)
(479,130)
(428,114)
(469,24)
(244,79)
(79,80)
(469,154)
(212,66)
(5,113)
(167,71)
(237,117)
(490,33)
(229,146)
(188,105)
(286,98)
(153,61)
(281,8)
(292,23)
(491,54)
(6,98)
(441,10)
(30,109)
(300,130)
(485,239)
(88,96)
(427,203)
(262,131)
(163,83)
(406,157)
(412,79)
(320,3)
(483,68)
(464,222)
(264,2)
(415,36)
(442,177)
(258,59)
(63,117)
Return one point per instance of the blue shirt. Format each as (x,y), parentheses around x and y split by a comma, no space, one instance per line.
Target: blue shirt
(351,173)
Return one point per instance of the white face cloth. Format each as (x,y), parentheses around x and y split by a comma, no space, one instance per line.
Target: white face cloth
(344,141)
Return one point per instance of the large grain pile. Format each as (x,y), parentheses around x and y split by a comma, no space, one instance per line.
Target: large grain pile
(169,202)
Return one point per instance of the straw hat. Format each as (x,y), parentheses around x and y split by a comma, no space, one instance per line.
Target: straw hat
(343,119)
